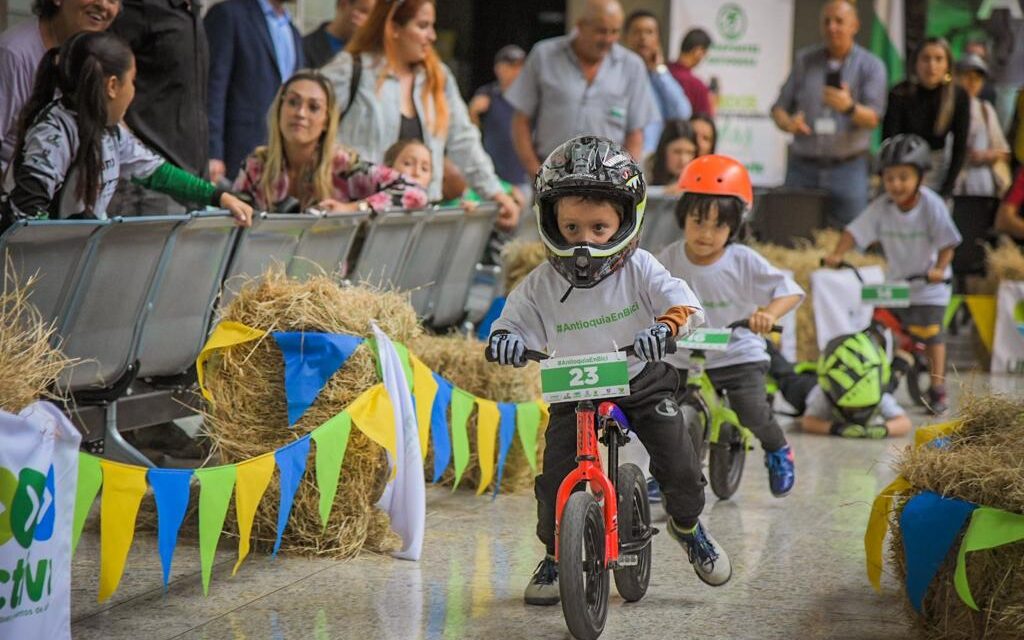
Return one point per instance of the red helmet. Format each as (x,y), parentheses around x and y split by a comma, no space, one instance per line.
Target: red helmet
(716,175)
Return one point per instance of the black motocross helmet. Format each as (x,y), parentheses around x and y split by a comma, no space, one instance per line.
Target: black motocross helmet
(905,148)
(591,167)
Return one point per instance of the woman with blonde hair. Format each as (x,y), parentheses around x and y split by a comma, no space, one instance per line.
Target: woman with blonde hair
(392,86)
(932,106)
(302,162)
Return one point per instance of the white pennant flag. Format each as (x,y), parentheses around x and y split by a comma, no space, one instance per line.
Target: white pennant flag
(405,497)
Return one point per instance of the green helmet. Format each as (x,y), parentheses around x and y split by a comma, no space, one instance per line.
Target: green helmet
(853,371)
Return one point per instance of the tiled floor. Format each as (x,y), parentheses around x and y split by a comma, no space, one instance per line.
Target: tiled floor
(798,573)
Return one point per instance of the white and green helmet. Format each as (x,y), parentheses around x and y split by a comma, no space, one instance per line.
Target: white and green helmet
(595,167)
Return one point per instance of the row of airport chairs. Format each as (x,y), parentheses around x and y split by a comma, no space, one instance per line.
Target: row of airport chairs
(133,299)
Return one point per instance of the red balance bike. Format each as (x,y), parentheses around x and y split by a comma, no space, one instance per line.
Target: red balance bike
(607,529)
(910,359)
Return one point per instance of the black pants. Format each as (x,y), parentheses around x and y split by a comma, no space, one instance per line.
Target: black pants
(744,385)
(656,419)
(794,387)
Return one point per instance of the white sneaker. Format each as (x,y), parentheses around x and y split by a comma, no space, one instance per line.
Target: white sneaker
(709,560)
(543,587)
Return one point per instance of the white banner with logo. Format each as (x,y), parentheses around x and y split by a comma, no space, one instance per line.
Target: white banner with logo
(1008,344)
(38,476)
(748,62)
(836,298)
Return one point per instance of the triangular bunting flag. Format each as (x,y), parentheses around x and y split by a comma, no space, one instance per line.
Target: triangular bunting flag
(929,525)
(439,427)
(251,481)
(90,478)
(373,414)
(506,434)
(487,418)
(124,486)
(291,464)
(462,407)
(528,418)
(310,359)
(215,487)
(424,390)
(226,334)
(170,492)
(331,441)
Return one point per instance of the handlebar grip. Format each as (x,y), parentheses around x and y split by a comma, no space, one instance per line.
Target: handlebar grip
(924,276)
(745,324)
(529,354)
(844,265)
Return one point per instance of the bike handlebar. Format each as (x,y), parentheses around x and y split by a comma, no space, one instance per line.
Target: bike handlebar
(920,276)
(537,356)
(745,324)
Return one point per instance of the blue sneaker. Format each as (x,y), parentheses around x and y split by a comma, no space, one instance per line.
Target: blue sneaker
(710,562)
(781,470)
(653,491)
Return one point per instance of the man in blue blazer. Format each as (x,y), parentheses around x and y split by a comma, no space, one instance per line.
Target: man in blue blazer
(254,47)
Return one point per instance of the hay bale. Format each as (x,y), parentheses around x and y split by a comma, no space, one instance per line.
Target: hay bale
(519,258)
(248,416)
(461,361)
(29,364)
(1005,262)
(803,261)
(983,463)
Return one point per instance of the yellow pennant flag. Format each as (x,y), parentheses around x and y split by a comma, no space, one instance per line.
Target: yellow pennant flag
(226,334)
(251,480)
(123,488)
(373,414)
(878,526)
(545,414)
(924,435)
(983,310)
(487,418)
(424,389)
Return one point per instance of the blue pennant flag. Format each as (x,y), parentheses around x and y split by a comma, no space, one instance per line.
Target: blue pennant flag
(506,434)
(170,492)
(310,359)
(439,427)
(929,524)
(291,464)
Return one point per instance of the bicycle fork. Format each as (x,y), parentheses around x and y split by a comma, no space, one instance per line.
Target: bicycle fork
(588,470)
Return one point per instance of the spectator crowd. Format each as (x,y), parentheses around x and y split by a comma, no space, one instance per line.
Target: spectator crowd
(238,99)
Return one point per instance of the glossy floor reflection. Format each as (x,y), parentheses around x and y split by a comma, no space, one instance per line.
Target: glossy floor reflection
(798,572)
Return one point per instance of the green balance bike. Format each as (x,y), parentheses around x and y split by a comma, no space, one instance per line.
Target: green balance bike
(715,428)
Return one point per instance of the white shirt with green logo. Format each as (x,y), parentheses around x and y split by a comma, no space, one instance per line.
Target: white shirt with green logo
(730,289)
(604,318)
(911,241)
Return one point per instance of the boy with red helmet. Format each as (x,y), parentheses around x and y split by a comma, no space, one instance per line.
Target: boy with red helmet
(598,292)
(733,282)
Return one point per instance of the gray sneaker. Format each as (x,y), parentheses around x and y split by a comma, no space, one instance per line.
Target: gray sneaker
(543,587)
(709,560)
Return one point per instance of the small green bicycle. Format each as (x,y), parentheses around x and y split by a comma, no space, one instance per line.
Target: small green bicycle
(715,428)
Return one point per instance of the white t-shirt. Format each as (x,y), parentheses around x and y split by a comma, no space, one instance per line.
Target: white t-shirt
(604,318)
(818,406)
(731,289)
(911,241)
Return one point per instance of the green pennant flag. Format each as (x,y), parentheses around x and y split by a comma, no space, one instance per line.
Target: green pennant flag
(462,407)
(216,484)
(403,355)
(331,440)
(989,528)
(954,305)
(528,424)
(90,478)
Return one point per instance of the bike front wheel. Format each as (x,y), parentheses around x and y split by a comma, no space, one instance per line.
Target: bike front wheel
(634,525)
(918,381)
(725,464)
(582,576)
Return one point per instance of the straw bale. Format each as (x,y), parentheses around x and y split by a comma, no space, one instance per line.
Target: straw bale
(29,364)
(1005,262)
(983,462)
(248,416)
(461,361)
(803,261)
(519,258)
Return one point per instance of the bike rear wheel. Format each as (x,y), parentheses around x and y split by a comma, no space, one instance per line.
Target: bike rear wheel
(696,420)
(634,524)
(725,465)
(582,577)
